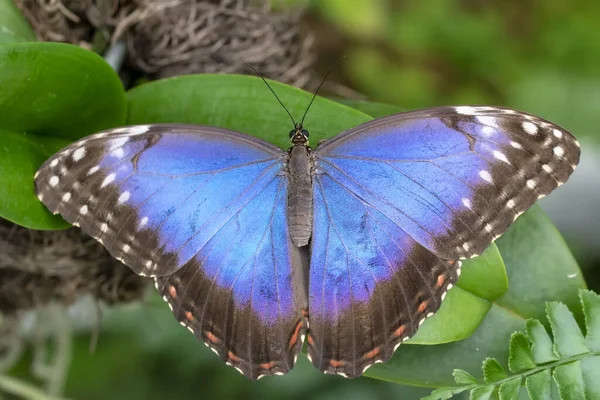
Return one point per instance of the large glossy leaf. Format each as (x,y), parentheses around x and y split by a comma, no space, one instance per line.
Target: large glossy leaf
(50,94)
(245,104)
(13,26)
(239,102)
(538,259)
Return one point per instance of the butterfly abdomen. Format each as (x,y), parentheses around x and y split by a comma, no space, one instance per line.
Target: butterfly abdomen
(300,196)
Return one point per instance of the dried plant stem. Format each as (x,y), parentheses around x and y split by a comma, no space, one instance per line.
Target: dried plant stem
(23,390)
(52,326)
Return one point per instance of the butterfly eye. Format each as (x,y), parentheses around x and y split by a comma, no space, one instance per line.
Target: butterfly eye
(305,132)
(292,133)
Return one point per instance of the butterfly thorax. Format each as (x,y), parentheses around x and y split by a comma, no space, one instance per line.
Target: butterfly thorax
(300,193)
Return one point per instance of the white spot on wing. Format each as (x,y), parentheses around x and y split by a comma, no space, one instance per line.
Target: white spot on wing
(79,154)
(108,179)
(466,202)
(118,152)
(557,133)
(485,175)
(66,197)
(54,163)
(104,228)
(500,156)
(547,168)
(487,131)
(118,142)
(559,151)
(530,127)
(123,197)
(531,183)
(465,110)
(83,210)
(93,170)
(516,145)
(143,222)
(491,123)
(53,181)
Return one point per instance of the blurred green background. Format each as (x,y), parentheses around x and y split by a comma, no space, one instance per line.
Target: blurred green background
(541,56)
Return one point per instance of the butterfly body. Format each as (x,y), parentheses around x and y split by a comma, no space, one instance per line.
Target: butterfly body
(300,193)
(350,245)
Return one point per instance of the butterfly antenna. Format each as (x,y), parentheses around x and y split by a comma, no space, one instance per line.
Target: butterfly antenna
(317,91)
(272,91)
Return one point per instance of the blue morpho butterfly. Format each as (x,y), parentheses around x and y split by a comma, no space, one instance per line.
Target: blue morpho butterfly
(361,237)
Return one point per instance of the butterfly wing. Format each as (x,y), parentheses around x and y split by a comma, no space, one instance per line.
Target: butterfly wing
(421,189)
(202,210)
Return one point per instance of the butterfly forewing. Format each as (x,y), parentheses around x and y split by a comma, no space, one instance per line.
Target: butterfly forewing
(453,177)
(200,209)
(398,201)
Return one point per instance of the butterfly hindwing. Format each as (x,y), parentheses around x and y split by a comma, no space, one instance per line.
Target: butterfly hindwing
(371,284)
(202,210)
(454,178)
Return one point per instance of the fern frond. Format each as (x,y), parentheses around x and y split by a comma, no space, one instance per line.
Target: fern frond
(570,358)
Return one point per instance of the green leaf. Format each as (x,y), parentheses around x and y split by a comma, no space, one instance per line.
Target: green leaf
(575,372)
(510,389)
(492,370)
(539,385)
(484,278)
(520,356)
(443,393)
(51,94)
(540,266)
(13,26)
(568,339)
(569,380)
(241,103)
(591,309)
(542,348)
(460,313)
(58,90)
(20,156)
(462,377)
(371,108)
(590,367)
(482,393)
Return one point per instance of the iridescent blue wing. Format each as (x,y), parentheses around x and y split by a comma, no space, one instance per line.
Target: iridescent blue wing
(398,200)
(202,210)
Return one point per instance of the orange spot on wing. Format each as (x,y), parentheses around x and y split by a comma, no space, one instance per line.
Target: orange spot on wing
(172,292)
(440,280)
(422,307)
(268,365)
(189,316)
(336,363)
(294,338)
(212,338)
(451,262)
(310,340)
(400,331)
(373,353)
(233,357)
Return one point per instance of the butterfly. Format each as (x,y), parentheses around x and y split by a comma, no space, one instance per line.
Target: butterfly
(350,245)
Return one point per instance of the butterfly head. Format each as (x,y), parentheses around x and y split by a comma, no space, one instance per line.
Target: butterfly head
(299,135)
